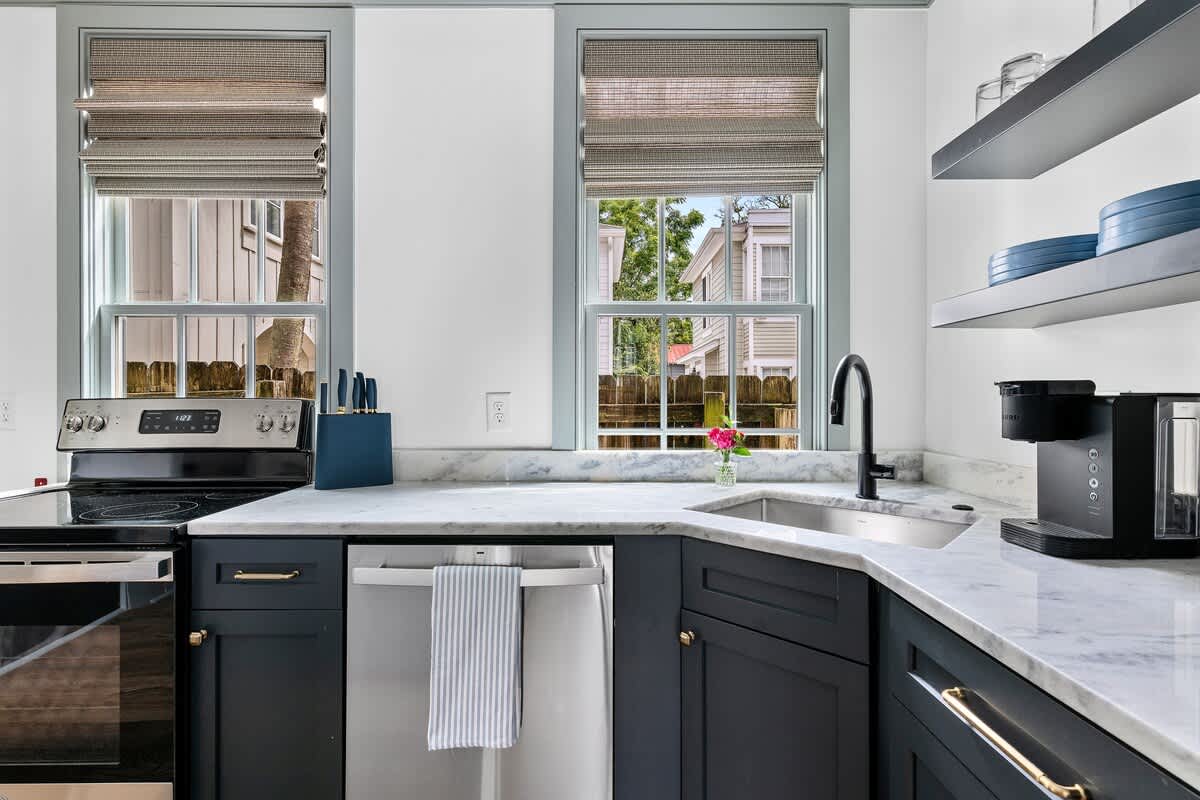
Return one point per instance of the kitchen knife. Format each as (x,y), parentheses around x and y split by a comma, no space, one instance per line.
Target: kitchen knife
(356,399)
(324,397)
(361,406)
(372,396)
(341,391)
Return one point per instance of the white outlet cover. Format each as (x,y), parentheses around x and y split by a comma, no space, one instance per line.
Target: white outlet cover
(8,411)
(498,410)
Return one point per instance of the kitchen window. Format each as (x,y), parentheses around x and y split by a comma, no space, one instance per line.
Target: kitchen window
(192,296)
(703,248)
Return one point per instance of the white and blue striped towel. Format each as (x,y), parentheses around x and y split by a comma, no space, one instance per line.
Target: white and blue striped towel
(475,669)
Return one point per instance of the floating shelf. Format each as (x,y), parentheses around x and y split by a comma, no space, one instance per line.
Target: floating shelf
(1165,272)
(1145,63)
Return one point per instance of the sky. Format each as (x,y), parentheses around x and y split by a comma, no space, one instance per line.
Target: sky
(710,207)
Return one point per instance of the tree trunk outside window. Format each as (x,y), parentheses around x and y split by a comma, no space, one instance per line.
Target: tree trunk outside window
(295,275)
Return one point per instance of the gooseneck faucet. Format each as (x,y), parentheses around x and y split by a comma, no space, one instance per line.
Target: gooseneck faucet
(868,470)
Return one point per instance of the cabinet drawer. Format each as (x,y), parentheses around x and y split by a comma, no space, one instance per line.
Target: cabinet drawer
(916,766)
(819,606)
(921,659)
(267,573)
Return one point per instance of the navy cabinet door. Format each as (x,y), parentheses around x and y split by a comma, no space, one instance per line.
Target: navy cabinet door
(266,705)
(916,766)
(771,720)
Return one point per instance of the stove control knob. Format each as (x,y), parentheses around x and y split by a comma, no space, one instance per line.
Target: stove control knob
(287,423)
(265,423)
(74,424)
(96,423)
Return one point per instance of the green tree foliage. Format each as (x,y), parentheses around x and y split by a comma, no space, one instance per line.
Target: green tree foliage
(742,206)
(635,341)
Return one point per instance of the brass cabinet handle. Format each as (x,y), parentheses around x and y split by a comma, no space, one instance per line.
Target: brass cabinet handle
(687,638)
(266,576)
(197,638)
(955,699)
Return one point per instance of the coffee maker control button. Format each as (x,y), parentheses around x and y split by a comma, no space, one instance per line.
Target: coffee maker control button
(1093,468)
(1095,484)
(1094,497)
(1093,454)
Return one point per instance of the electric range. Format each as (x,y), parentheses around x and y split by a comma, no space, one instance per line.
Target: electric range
(93,596)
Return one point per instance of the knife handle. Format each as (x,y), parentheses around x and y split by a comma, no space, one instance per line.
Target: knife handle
(372,396)
(324,397)
(356,400)
(361,405)
(341,391)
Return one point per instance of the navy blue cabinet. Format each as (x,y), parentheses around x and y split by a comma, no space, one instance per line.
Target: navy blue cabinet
(267,678)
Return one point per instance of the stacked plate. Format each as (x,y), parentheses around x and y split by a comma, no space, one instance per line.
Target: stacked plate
(1027,259)
(1147,216)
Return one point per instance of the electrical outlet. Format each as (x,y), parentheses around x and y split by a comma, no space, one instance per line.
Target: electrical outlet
(499,412)
(8,411)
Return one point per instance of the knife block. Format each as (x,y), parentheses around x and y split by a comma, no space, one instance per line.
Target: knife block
(353,450)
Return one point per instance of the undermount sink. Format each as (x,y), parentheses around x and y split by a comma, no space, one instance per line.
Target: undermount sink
(878,527)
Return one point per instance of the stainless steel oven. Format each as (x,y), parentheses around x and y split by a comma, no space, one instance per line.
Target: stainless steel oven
(87,674)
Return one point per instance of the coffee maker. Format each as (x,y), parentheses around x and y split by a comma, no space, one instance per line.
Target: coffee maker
(1118,476)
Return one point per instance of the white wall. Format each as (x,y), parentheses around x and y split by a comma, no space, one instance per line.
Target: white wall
(887,217)
(454,147)
(968,220)
(28,301)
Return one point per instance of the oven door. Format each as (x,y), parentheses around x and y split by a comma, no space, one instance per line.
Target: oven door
(87,675)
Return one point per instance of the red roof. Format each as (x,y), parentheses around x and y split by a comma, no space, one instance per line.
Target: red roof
(675,352)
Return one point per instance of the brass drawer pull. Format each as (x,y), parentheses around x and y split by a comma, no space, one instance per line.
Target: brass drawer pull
(955,697)
(266,576)
(687,638)
(197,638)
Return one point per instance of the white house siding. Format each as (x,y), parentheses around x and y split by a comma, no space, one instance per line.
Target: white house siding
(604,332)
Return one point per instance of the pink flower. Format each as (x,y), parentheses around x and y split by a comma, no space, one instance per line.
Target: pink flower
(723,438)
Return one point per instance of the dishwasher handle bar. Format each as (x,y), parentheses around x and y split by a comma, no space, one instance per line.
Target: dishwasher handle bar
(65,566)
(398,576)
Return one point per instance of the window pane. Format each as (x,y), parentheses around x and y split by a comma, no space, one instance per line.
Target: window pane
(628,372)
(768,379)
(148,355)
(629,442)
(698,372)
(285,355)
(695,248)
(159,248)
(216,356)
(627,250)
(295,272)
(226,251)
(762,245)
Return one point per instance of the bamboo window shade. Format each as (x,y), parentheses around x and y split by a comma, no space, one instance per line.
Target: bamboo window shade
(205,118)
(701,116)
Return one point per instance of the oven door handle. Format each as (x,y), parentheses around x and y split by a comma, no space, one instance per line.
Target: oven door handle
(92,567)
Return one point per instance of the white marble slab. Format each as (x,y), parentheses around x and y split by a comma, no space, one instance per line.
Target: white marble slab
(634,465)
(1118,642)
(1006,483)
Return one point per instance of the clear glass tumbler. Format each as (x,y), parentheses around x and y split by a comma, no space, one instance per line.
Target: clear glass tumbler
(1019,72)
(1106,12)
(987,97)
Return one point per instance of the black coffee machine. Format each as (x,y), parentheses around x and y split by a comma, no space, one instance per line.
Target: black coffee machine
(1117,475)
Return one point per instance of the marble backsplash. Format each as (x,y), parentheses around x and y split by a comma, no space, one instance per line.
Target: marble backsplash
(1006,483)
(634,465)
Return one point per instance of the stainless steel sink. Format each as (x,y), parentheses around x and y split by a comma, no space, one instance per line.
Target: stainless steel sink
(871,525)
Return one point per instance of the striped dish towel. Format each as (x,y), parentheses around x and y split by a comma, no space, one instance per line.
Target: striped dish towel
(475,669)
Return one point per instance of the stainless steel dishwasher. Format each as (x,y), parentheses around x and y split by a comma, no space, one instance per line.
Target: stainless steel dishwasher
(565,744)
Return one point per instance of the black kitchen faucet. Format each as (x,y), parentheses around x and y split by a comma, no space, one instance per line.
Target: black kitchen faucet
(868,470)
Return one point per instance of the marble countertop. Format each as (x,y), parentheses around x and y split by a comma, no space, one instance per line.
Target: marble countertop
(1117,641)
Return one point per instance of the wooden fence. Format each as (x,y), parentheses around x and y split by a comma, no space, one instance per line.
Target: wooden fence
(216,379)
(632,401)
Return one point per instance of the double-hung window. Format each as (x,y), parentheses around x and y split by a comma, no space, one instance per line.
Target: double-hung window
(702,158)
(205,195)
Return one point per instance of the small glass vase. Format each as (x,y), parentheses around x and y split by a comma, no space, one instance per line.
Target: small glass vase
(726,473)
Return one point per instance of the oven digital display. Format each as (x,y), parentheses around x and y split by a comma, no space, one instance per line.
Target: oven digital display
(202,421)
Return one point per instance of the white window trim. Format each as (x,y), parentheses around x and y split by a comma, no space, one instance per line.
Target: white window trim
(772,240)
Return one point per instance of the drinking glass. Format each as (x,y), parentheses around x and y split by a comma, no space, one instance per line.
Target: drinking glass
(987,97)
(1106,12)
(1019,72)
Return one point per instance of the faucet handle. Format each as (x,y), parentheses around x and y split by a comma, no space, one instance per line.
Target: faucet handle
(884,471)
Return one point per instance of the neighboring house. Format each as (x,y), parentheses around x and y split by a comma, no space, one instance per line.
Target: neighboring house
(761,260)
(675,356)
(227,260)
(610,252)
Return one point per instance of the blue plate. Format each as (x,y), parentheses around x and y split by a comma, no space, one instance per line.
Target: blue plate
(1013,274)
(1112,244)
(1189,203)
(1059,241)
(1121,225)
(1042,257)
(1159,195)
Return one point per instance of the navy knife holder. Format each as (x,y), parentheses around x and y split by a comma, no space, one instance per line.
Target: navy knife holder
(353,450)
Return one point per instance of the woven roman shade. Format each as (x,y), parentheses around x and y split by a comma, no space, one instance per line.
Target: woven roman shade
(206,118)
(701,116)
